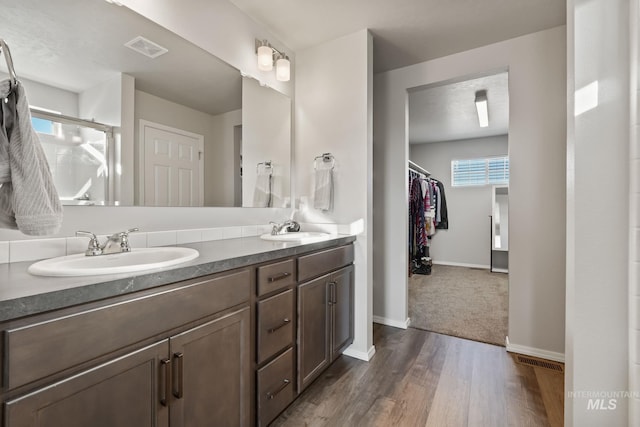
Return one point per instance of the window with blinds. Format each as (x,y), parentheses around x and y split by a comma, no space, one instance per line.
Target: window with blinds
(486,171)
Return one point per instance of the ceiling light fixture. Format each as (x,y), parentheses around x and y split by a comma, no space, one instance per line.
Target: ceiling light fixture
(483,108)
(266,56)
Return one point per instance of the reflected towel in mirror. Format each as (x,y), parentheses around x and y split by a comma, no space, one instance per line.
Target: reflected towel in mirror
(323,191)
(262,192)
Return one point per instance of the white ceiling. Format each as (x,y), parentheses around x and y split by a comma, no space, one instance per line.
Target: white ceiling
(405,32)
(61,44)
(448,112)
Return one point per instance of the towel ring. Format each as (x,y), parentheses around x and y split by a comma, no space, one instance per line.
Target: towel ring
(326,158)
(266,166)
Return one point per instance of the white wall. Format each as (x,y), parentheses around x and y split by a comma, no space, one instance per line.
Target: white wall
(333,114)
(598,164)
(468,239)
(218,140)
(537,135)
(219,162)
(266,136)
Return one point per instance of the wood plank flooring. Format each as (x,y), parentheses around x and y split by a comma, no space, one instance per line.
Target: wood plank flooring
(420,378)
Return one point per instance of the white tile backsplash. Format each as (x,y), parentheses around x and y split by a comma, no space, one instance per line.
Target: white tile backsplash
(249,230)
(161,238)
(77,245)
(209,234)
(4,252)
(188,236)
(264,229)
(231,232)
(31,250)
(138,240)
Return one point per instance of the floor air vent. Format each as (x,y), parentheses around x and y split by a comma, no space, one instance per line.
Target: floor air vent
(540,363)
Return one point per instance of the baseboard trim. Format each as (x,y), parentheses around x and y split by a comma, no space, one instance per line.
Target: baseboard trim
(461,264)
(500,270)
(391,322)
(535,352)
(362,355)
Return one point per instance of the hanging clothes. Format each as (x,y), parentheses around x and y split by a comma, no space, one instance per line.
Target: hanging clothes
(443,214)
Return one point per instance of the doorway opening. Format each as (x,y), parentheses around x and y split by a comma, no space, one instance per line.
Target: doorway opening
(458,230)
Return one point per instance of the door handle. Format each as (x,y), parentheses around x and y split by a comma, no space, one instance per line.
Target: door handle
(165,365)
(272,394)
(332,293)
(178,392)
(278,277)
(284,323)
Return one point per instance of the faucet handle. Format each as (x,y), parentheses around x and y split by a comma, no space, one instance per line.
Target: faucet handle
(94,246)
(124,239)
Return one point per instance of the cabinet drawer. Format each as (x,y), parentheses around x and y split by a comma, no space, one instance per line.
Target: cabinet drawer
(276,276)
(315,264)
(41,349)
(275,324)
(275,387)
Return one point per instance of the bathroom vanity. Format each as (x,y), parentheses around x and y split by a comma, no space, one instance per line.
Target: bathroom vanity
(230,338)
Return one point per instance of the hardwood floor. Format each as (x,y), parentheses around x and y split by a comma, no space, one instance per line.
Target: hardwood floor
(420,378)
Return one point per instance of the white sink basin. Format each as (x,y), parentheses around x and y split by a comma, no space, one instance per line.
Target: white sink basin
(139,259)
(301,237)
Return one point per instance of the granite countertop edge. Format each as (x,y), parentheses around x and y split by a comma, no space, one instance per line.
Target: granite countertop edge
(38,299)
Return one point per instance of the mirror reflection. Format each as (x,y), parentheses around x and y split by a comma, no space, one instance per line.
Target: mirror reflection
(130,113)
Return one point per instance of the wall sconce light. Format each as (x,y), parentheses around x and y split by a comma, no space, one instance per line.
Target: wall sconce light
(483,108)
(266,56)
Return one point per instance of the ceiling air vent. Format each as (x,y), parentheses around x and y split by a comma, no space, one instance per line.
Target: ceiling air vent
(146,47)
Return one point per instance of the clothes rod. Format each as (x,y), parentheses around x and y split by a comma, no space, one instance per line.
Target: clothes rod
(417,168)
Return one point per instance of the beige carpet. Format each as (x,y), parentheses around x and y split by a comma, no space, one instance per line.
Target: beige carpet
(459,301)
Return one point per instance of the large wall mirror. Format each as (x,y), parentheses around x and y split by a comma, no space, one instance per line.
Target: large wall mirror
(130,113)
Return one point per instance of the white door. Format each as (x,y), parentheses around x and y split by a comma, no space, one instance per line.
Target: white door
(171,163)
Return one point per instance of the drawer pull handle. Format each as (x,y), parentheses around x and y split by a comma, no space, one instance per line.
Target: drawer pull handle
(272,394)
(278,277)
(179,381)
(284,323)
(165,365)
(332,293)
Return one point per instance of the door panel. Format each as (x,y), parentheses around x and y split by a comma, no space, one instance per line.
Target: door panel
(122,392)
(313,330)
(172,169)
(211,381)
(342,310)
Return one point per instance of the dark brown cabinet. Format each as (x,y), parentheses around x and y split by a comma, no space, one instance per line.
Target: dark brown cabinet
(325,322)
(228,349)
(211,373)
(122,392)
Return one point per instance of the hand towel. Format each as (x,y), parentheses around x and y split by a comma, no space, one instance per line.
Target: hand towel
(262,191)
(28,197)
(323,192)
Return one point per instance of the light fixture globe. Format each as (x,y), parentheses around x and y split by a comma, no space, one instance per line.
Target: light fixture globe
(283,69)
(265,58)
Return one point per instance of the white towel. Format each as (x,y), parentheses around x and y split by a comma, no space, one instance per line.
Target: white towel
(28,197)
(262,192)
(323,192)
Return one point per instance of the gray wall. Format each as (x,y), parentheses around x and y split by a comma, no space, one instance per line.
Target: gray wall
(468,239)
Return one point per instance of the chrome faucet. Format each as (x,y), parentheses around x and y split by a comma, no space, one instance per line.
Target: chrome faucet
(288,225)
(115,244)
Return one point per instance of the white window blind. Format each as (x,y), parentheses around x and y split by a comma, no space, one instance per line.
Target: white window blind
(485,171)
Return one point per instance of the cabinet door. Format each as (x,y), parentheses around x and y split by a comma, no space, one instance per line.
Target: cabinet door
(341,289)
(313,330)
(122,392)
(211,373)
